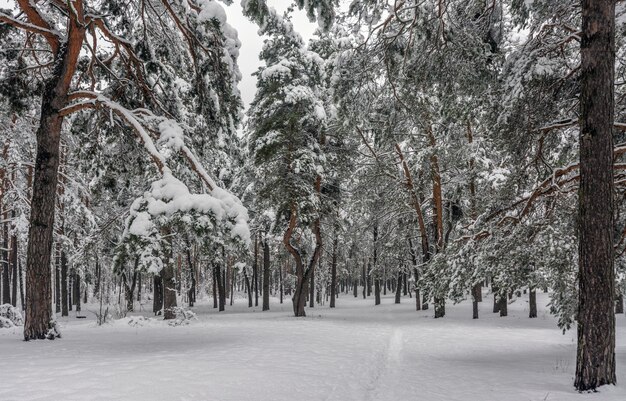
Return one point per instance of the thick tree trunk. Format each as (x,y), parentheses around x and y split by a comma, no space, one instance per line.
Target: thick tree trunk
(37,324)
(619,304)
(532,302)
(266,274)
(595,362)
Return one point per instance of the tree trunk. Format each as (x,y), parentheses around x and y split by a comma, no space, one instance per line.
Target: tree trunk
(248,289)
(440,307)
(312,286)
(476,290)
(64,290)
(280,272)
(532,302)
(503,305)
(364,279)
(192,289)
(333,272)
(405,284)
(37,324)
(255,271)
(57,278)
(77,291)
(14,267)
(157,299)
(496,303)
(221,294)
(6,283)
(129,290)
(266,274)
(169,290)
(595,362)
(21,278)
(399,287)
(96,287)
(214,279)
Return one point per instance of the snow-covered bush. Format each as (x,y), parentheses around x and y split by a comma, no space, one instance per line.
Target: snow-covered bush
(10,316)
(54,331)
(183,317)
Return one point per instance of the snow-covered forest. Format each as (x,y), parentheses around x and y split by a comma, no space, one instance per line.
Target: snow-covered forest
(423,200)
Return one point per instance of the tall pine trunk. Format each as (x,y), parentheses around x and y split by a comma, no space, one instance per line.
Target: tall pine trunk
(595,361)
(37,324)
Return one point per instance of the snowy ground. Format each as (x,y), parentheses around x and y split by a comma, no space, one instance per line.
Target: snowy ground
(356,352)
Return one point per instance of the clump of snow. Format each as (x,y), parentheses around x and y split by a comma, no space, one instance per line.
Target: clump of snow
(54,331)
(210,9)
(141,225)
(172,135)
(10,316)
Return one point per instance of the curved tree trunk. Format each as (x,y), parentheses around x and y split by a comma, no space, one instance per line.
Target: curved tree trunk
(595,361)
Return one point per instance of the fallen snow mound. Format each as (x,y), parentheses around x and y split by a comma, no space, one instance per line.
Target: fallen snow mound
(10,316)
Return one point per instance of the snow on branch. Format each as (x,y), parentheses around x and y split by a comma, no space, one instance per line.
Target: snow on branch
(169,195)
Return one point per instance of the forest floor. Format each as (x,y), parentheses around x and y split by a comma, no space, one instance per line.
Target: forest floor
(356,352)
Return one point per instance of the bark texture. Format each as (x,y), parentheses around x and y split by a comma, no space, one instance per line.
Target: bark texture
(595,361)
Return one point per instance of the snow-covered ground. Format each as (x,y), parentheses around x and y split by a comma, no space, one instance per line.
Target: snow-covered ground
(357,351)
